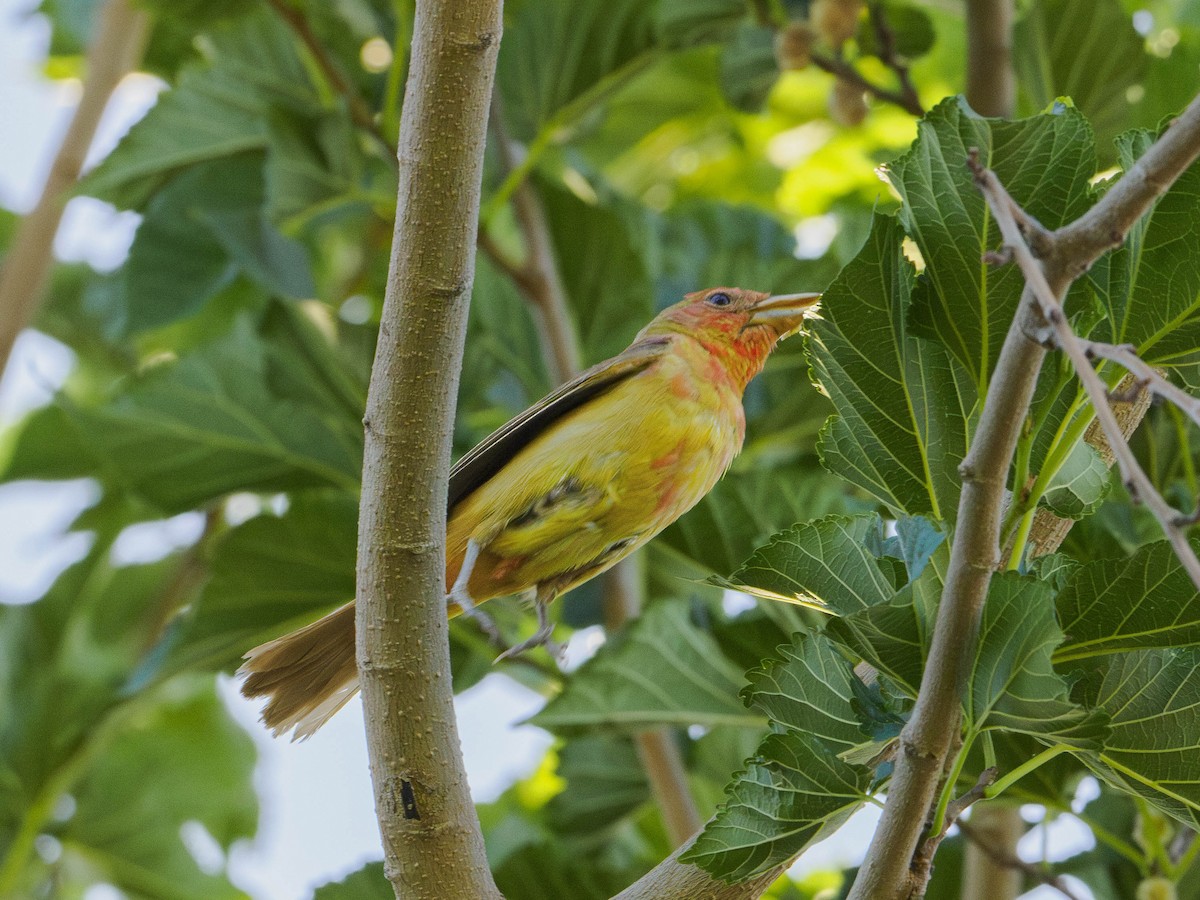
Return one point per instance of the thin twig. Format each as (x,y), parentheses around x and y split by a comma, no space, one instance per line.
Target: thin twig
(841,68)
(114,52)
(1141,489)
(890,57)
(1033,872)
(360,113)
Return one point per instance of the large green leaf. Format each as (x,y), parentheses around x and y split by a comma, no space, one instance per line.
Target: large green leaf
(1044,162)
(201,231)
(183,760)
(1141,602)
(608,287)
(809,689)
(902,402)
(662,669)
(1012,684)
(1150,286)
(826,561)
(270,574)
(559,54)
(605,782)
(185,432)
(1152,698)
(793,793)
(367,883)
(1083,49)
(218,108)
(743,511)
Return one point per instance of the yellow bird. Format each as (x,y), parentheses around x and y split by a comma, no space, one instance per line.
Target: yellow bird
(569,487)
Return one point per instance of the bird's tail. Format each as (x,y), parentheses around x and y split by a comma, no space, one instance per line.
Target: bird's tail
(308,675)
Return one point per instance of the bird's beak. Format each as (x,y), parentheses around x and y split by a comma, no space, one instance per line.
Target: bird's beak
(784,313)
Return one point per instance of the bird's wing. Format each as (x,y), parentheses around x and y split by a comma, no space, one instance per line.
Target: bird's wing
(495,451)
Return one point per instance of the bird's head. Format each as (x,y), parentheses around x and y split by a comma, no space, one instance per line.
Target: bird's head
(737,326)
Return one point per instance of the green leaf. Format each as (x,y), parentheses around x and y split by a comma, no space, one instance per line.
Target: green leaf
(1080,486)
(558,56)
(269,575)
(605,782)
(1083,49)
(199,232)
(367,883)
(1150,286)
(809,689)
(185,432)
(219,108)
(1045,162)
(663,670)
(182,760)
(748,67)
(894,637)
(902,403)
(608,287)
(911,27)
(795,792)
(1141,602)
(1012,684)
(826,560)
(686,23)
(1152,698)
(743,511)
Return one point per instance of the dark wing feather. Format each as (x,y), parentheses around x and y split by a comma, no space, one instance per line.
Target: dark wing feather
(494,452)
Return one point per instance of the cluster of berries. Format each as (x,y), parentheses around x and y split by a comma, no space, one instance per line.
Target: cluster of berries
(830,24)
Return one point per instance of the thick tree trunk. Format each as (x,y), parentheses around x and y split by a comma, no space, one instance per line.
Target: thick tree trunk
(433,845)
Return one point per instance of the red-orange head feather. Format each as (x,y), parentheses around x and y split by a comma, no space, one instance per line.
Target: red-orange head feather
(738,327)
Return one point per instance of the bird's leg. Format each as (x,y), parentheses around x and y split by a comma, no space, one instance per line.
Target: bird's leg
(460,596)
(544,635)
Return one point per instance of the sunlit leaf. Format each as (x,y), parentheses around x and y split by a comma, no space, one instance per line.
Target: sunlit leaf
(902,402)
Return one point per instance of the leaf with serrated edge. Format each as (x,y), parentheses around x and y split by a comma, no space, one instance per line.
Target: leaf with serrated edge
(665,670)
(1012,684)
(794,792)
(1140,602)
(902,403)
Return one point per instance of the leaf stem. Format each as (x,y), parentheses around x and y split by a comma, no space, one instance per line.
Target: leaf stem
(999,786)
(947,795)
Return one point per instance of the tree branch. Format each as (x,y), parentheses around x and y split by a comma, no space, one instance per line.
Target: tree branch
(115,50)
(985,840)
(360,113)
(991,84)
(433,846)
(926,739)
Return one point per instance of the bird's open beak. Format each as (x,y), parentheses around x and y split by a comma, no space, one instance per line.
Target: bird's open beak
(785,313)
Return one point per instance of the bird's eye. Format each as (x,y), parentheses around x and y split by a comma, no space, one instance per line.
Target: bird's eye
(720,298)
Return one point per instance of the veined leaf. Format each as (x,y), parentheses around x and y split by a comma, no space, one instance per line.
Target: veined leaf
(826,561)
(1012,684)
(1152,698)
(902,402)
(1044,162)
(1141,602)
(218,109)
(794,792)
(1150,285)
(809,689)
(664,669)
(605,782)
(556,52)
(1080,486)
(209,424)
(1083,49)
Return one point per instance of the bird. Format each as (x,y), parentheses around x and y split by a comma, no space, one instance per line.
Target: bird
(569,487)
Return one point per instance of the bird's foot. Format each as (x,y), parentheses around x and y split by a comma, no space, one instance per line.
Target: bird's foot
(461,599)
(543,637)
